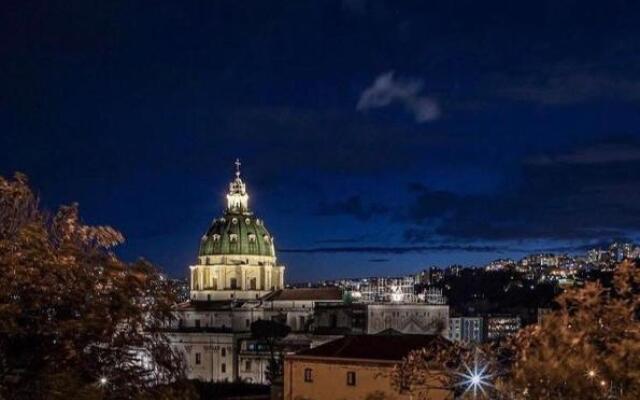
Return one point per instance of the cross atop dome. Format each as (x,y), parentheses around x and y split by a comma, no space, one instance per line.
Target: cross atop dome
(238,164)
(237,198)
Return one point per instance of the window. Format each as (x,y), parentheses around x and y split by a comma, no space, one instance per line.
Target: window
(223,368)
(351,378)
(197,323)
(234,283)
(247,365)
(247,322)
(307,375)
(198,359)
(223,352)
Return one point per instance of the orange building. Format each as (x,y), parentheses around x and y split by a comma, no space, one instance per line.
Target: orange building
(352,368)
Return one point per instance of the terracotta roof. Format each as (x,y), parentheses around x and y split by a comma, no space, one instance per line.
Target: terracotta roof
(372,347)
(321,294)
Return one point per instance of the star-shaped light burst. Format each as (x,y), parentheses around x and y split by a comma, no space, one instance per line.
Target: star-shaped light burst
(475,378)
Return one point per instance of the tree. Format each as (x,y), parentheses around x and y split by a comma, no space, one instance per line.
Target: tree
(75,321)
(588,349)
(447,367)
(271,332)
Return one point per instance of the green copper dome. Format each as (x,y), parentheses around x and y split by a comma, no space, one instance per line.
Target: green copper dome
(238,231)
(242,234)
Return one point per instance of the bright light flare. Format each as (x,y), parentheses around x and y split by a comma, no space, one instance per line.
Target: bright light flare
(103,380)
(475,379)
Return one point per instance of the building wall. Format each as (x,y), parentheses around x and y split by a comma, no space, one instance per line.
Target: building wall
(340,318)
(235,277)
(329,380)
(498,327)
(252,368)
(466,329)
(237,319)
(209,356)
(408,318)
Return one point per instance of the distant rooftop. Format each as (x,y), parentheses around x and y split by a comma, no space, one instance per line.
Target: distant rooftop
(320,294)
(388,347)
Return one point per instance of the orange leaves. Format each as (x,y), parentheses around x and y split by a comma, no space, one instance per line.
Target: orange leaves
(67,304)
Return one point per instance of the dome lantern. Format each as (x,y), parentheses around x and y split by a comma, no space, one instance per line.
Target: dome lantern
(237,198)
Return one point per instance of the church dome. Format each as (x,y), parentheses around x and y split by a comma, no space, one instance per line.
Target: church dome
(238,232)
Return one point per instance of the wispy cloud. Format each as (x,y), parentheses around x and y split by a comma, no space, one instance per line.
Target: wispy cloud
(570,84)
(399,249)
(387,90)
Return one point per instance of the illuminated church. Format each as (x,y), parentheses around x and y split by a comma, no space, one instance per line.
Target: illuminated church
(236,281)
(237,258)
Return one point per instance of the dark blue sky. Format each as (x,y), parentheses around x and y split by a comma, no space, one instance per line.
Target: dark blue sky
(377,137)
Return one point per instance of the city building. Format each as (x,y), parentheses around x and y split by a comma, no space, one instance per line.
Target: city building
(372,318)
(466,329)
(354,367)
(383,289)
(502,326)
(417,318)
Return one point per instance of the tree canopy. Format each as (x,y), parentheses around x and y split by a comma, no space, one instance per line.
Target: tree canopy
(76,321)
(588,348)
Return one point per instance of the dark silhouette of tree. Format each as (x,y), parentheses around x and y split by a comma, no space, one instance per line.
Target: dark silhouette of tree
(271,333)
(75,321)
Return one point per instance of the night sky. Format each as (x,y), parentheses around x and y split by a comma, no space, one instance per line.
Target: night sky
(377,137)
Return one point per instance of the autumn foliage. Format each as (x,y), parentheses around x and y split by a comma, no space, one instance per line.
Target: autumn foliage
(588,349)
(75,321)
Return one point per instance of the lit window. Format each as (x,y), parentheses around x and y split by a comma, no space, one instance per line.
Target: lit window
(233,237)
(198,359)
(216,237)
(252,237)
(351,378)
(307,375)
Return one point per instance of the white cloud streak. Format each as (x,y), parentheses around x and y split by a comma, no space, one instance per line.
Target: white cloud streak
(387,90)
